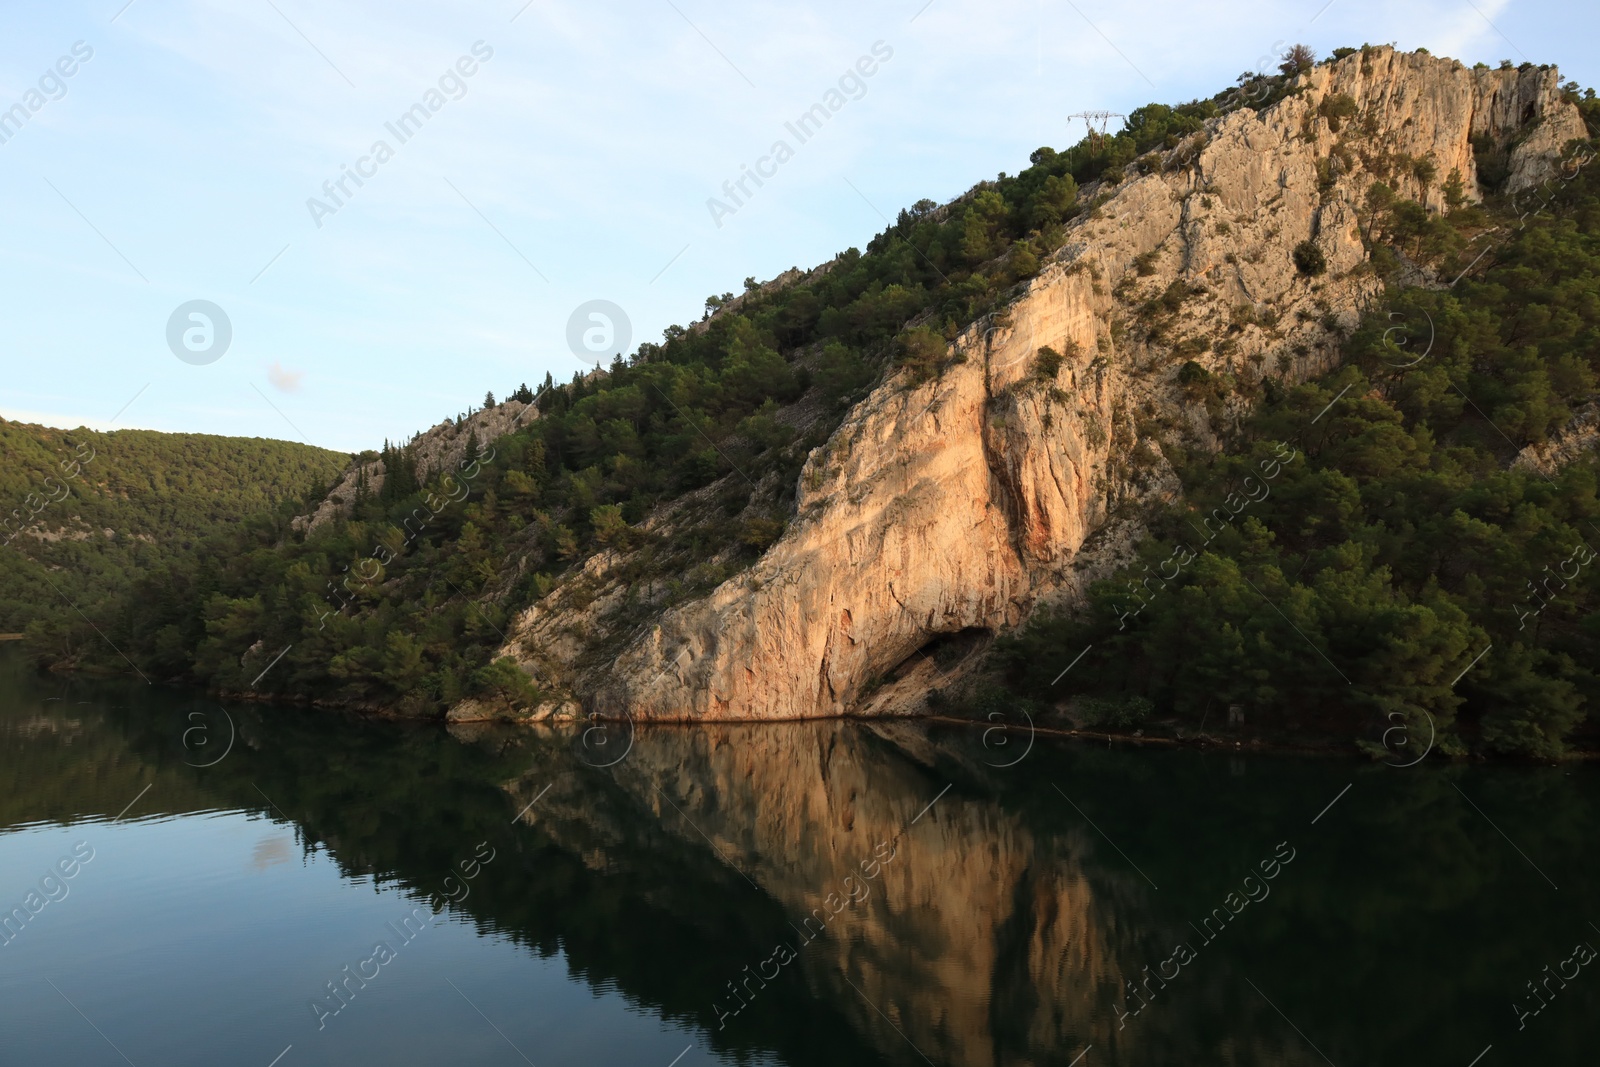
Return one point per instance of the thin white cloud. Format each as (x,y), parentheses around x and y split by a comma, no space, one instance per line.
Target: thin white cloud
(284,380)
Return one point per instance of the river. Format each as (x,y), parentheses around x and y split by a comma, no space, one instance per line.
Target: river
(188,882)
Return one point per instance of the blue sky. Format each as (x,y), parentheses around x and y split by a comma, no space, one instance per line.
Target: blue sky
(575,164)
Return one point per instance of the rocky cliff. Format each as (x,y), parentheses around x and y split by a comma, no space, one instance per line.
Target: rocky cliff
(943,511)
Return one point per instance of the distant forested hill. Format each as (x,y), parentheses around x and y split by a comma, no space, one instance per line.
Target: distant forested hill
(83,513)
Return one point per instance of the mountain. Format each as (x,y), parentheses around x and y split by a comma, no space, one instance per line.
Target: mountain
(916,477)
(94,511)
(948,508)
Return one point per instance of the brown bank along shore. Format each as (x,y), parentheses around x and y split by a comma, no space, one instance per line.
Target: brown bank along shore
(1014,728)
(1008,728)
(1018,729)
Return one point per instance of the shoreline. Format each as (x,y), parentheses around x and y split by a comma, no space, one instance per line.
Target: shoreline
(1282,746)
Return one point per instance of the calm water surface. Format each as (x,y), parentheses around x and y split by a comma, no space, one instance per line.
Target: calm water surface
(333,891)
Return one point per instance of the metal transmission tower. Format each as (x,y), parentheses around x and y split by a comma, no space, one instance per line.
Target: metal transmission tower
(1096,137)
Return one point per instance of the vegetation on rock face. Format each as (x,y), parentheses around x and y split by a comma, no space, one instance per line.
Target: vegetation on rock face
(1363,539)
(1308,259)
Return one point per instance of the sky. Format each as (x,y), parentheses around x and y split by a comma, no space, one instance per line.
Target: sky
(569,154)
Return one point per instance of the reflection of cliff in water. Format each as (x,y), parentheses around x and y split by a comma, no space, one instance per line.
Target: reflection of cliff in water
(991,935)
(997,931)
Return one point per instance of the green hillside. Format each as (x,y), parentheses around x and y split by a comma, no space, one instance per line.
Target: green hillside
(87,513)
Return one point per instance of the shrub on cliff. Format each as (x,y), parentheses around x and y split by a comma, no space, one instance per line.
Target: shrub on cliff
(1308,259)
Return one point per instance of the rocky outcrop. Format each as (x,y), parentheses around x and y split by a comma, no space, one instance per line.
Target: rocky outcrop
(438,449)
(1581,434)
(944,511)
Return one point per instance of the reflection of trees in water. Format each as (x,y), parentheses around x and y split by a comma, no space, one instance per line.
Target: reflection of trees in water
(65,752)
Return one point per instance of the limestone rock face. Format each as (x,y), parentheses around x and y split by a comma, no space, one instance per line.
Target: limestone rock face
(942,512)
